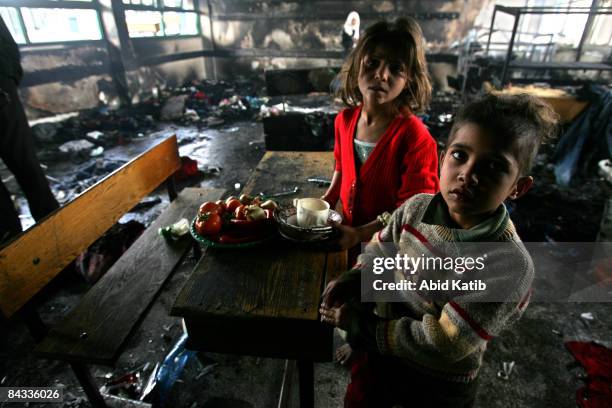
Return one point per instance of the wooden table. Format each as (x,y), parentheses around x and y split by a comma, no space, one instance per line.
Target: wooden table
(264,301)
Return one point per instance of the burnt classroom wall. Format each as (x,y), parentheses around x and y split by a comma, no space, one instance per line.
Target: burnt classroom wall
(259,33)
(315,24)
(73,76)
(64,78)
(253,36)
(155,70)
(58,81)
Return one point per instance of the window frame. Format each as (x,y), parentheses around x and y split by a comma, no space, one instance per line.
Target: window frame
(162,9)
(59,4)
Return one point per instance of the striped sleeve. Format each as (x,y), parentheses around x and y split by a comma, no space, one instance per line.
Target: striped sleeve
(462,328)
(466,322)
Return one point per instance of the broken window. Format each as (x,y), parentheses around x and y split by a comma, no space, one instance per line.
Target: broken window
(142,23)
(158,18)
(180,23)
(56,23)
(11,19)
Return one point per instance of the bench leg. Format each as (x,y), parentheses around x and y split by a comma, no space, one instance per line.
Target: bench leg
(171,186)
(306,378)
(89,386)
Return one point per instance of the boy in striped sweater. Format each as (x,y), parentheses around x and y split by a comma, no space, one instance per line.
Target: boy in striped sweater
(427,351)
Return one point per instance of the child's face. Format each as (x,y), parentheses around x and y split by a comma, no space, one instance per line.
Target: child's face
(382,77)
(478,172)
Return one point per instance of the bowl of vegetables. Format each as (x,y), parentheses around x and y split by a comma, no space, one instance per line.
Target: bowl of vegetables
(237,222)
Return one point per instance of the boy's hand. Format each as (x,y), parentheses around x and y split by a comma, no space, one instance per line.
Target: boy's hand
(336,293)
(337,316)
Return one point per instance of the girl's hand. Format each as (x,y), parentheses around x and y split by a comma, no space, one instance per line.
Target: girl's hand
(349,238)
(332,202)
(337,316)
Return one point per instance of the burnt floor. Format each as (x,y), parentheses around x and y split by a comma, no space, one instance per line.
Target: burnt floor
(541,376)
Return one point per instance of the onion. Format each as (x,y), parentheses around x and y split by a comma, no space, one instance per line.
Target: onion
(269,205)
(255,212)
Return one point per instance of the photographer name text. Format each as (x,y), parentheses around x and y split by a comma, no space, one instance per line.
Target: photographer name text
(431,285)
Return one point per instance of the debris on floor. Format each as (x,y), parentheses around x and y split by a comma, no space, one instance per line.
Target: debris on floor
(596,360)
(102,254)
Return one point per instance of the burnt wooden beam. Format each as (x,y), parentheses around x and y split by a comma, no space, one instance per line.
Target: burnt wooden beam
(587,29)
(119,45)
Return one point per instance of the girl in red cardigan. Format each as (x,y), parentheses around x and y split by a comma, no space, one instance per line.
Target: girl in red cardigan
(384,154)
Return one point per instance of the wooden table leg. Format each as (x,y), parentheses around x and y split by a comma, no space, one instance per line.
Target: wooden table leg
(89,386)
(306,378)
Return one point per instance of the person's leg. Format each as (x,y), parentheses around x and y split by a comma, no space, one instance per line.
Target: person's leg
(345,355)
(18,152)
(415,389)
(386,382)
(359,391)
(9,219)
(372,383)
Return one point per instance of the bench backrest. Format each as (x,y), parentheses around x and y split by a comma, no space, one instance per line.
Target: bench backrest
(37,255)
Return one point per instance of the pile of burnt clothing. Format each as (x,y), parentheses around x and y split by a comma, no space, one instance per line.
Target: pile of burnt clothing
(89,133)
(204,103)
(212,102)
(82,177)
(102,254)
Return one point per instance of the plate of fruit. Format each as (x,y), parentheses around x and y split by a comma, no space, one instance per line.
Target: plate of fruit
(235,222)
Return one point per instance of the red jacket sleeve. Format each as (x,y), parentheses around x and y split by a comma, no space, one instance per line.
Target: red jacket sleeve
(419,169)
(337,152)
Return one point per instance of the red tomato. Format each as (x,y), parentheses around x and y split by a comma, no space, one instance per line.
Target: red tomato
(222,206)
(240,213)
(208,223)
(233,204)
(209,206)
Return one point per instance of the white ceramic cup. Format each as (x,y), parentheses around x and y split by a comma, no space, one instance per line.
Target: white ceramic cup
(311,212)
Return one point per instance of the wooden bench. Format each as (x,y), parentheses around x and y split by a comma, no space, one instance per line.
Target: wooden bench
(95,331)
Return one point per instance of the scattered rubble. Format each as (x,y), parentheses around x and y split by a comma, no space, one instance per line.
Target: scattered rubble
(173,108)
(596,360)
(76,147)
(507,368)
(102,254)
